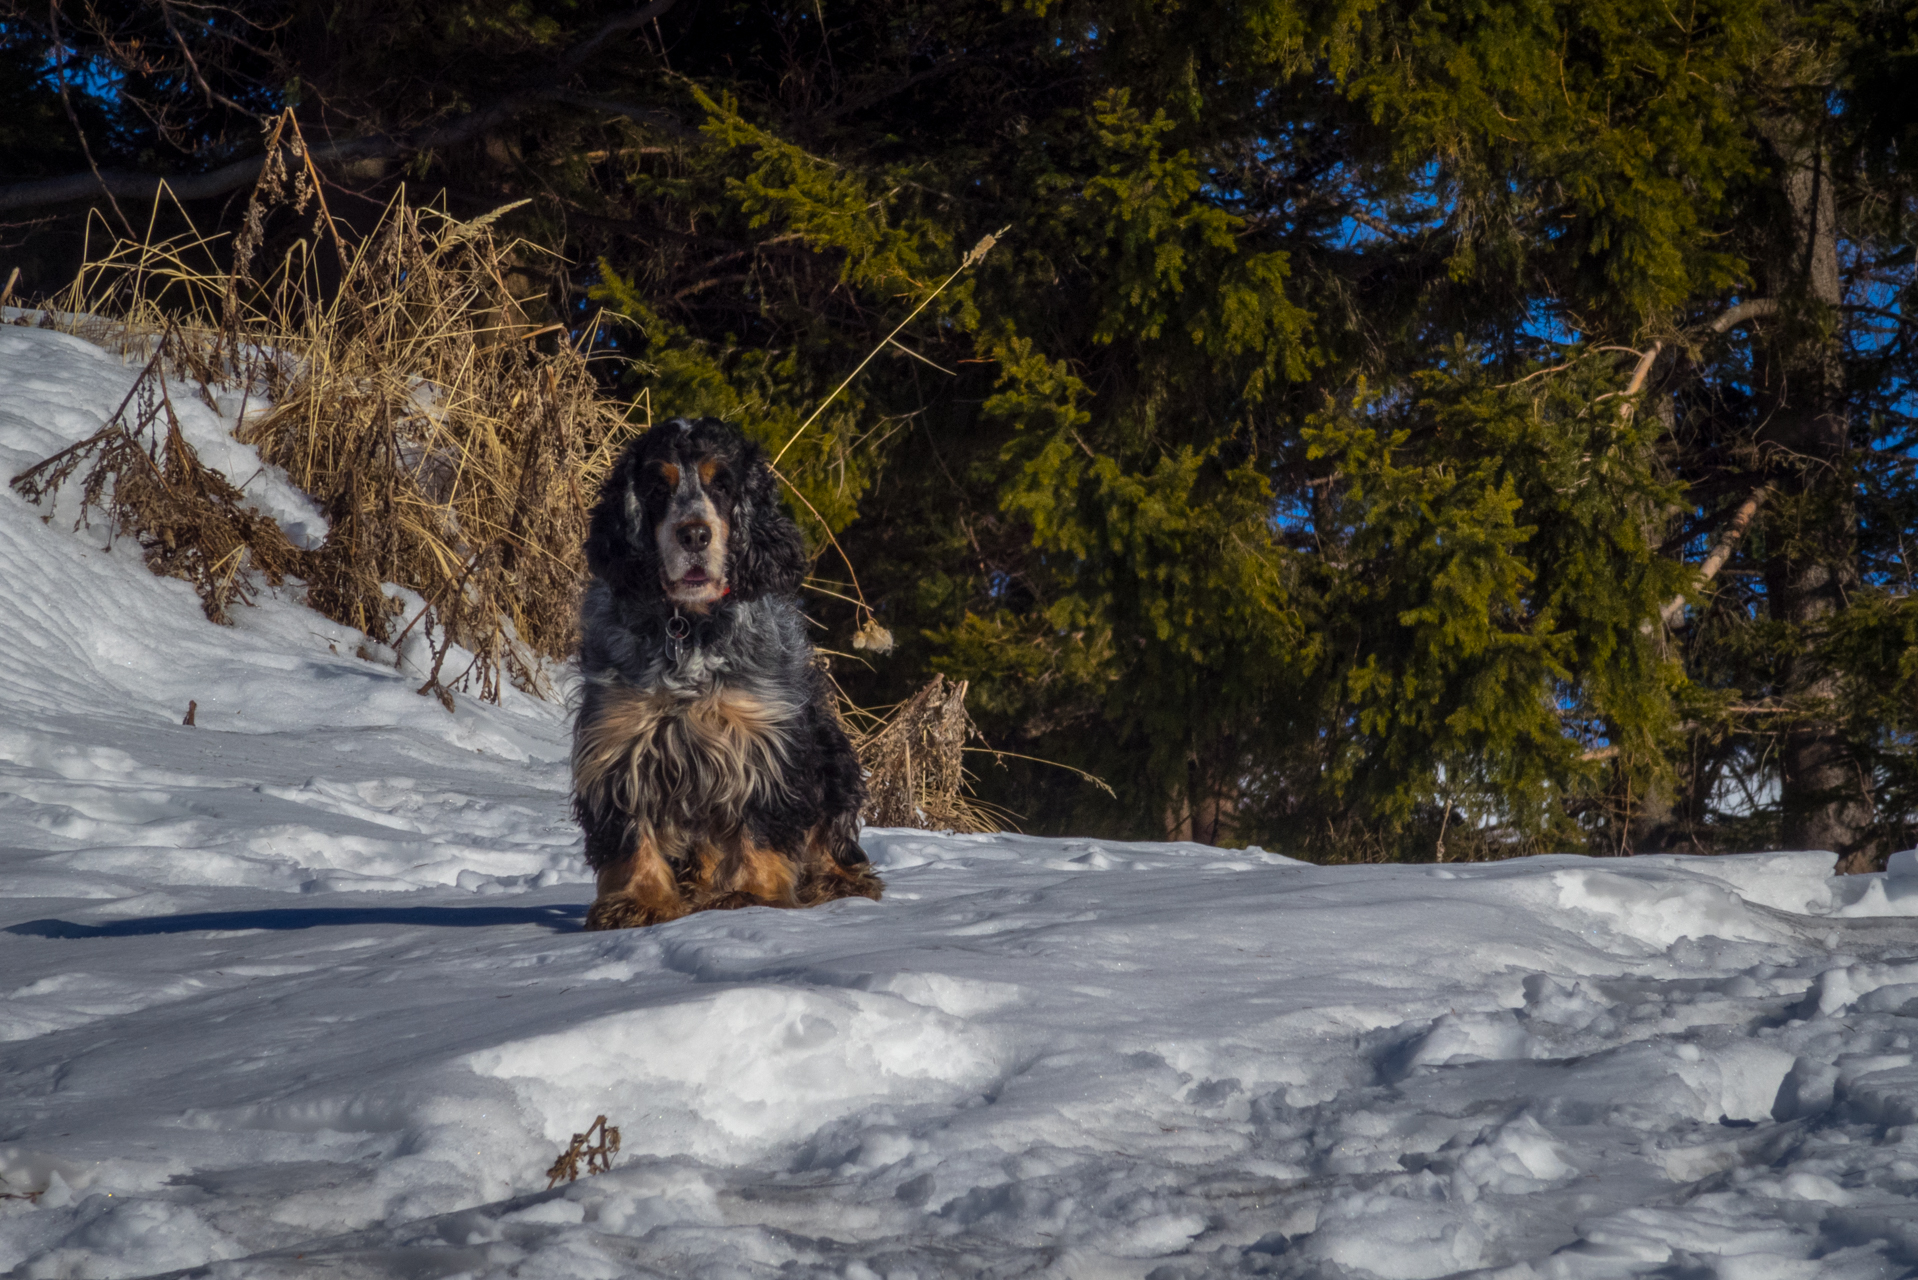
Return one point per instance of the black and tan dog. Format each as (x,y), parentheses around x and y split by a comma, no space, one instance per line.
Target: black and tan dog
(709,770)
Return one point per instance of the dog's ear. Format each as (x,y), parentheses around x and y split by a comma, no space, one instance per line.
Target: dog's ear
(620,549)
(768,555)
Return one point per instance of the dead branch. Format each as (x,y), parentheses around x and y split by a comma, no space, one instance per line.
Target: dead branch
(1637,384)
(599,1156)
(1750,309)
(190,521)
(1644,368)
(117,184)
(1727,543)
(628,21)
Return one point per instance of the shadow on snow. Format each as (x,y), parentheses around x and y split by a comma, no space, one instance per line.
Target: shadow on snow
(561,918)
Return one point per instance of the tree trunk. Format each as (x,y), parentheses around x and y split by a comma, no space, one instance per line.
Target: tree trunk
(1203,812)
(1811,555)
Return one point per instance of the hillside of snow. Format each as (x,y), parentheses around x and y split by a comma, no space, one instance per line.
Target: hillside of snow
(301,990)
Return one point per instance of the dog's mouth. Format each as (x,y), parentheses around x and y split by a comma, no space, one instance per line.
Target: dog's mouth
(695,588)
(692,553)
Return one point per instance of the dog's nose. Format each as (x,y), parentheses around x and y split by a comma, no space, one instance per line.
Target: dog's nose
(694,537)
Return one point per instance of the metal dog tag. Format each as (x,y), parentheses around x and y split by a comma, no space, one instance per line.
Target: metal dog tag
(677,629)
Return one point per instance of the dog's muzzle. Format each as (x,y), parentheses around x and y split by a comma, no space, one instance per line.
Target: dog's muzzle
(692,547)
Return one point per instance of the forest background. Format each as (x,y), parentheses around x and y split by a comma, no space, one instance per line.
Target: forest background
(1381,428)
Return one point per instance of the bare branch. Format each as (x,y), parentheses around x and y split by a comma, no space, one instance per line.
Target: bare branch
(1644,368)
(1639,374)
(73,117)
(117,184)
(647,116)
(197,186)
(579,53)
(1741,520)
(186,51)
(859,103)
(1750,309)
(1379,225)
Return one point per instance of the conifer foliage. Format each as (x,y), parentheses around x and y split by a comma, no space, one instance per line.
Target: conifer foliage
(1383,430)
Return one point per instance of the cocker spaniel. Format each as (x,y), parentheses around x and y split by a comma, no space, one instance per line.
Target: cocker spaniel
(709,768)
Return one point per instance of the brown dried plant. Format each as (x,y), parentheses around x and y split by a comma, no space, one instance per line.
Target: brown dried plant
(450,455)
(914,761)
(599,1155)
(189,520)
(401,388)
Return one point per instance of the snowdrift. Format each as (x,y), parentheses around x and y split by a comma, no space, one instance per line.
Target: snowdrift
(301,989)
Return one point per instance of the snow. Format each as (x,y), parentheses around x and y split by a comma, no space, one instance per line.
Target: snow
(303,990)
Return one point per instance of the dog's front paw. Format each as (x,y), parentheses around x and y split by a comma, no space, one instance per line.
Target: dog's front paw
(833,881)
(622,911)
(864,884)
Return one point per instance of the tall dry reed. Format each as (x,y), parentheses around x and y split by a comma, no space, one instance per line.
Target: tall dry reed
(396,380)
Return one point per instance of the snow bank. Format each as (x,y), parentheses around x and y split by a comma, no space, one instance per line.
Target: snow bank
(303,989)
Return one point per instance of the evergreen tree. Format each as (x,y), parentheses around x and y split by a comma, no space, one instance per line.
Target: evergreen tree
(1383,430)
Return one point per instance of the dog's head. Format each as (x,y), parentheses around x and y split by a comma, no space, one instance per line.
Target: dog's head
(691,513)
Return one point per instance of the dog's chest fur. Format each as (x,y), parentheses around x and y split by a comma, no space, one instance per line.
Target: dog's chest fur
(684,763)
(688,736)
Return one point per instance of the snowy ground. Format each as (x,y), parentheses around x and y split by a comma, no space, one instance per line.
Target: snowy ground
(302,991)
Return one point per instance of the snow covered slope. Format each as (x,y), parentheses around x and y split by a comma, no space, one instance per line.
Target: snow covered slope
(302,991)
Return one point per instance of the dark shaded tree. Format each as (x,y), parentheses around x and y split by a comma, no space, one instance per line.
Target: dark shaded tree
(1381,430)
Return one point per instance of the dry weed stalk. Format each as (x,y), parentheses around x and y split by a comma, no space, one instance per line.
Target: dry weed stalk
(915,772)
(599,1156)
(190,522)
(450,455)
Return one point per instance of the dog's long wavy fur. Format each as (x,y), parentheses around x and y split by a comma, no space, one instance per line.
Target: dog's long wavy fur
(709,769)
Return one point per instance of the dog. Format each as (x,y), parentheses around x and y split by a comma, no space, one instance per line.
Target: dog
(710,769)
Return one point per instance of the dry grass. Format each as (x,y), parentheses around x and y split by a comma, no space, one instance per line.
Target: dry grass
(449,454)
(400,388)
(914,760)
(189,520)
